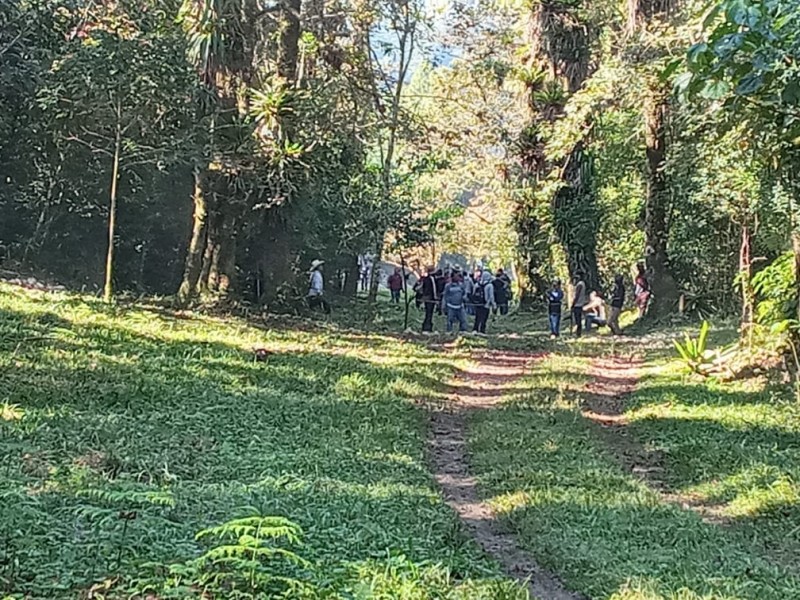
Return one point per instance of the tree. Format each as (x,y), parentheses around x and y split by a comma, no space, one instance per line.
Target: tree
(648,20)
(557,66)
(120,95)
(747,66)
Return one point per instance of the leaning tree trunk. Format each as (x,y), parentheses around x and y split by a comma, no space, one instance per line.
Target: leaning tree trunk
(197,243)
(656,226)
(108,288)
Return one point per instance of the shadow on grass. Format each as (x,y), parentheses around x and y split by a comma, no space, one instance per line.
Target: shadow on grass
(120,402)
(582,516)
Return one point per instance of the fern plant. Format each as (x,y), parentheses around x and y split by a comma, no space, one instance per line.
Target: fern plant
(693,351)
(248,554)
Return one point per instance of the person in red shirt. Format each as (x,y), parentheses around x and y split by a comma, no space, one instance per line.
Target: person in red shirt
(395,282)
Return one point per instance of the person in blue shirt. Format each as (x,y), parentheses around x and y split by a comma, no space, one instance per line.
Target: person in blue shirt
(555,298)
(453,298)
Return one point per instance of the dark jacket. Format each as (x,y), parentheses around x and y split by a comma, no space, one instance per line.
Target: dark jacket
(500,290)
(554,300)
(618,295)
(428,288)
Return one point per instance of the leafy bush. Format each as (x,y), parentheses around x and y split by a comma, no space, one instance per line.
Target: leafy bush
(775,287)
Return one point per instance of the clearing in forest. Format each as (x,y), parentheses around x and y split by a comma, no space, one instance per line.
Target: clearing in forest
(127,431)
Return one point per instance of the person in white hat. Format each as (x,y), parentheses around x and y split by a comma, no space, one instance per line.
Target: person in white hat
(316,287)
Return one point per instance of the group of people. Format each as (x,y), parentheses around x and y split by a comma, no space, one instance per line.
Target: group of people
(589,310)
(458,294)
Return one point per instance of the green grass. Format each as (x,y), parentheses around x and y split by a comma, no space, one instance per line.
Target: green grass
(126,431)
(734,447)
(581,514)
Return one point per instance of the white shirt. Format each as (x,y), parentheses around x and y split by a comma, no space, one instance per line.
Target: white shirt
(315,288)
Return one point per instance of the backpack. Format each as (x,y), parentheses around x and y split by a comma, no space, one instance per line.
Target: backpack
(478,295)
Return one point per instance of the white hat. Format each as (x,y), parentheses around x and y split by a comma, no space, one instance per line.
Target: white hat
(316,263)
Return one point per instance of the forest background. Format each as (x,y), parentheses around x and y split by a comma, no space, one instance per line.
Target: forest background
(210,149)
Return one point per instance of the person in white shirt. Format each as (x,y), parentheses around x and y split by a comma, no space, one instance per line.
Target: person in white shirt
(316,288)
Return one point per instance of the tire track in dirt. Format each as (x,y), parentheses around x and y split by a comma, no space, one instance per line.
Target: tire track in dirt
(483,386)
(613,380)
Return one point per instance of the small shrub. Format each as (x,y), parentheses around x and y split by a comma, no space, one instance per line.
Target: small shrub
(693,351)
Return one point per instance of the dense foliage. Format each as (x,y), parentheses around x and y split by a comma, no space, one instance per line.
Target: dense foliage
(238,141)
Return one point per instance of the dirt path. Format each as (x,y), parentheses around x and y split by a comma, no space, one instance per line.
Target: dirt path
(606,396)
(482,387)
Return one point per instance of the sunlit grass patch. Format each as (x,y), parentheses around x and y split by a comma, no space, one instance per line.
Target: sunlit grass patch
(557,484)
(114,407)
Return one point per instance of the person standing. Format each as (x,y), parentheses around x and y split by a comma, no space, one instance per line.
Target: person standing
(555,299)
(502,291)
(316,288)
(474,280)
(429,298)
(579,300)
(469,286)
(641,289)
(617,302)
(484,301)
(453,303)
(440,279)
(395,283)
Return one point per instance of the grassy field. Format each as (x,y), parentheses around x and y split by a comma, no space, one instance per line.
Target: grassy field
(127,431)
(556,483)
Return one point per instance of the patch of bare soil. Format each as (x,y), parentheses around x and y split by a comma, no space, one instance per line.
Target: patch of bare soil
(483,386)
(613,380)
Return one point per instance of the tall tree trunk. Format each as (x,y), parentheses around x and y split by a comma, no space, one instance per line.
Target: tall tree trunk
(224,265)
(197,243)
(275,267)
(289,39)
(205,283)
(796,251)
(656,227)
(108,288)
(559,47)
(352,277)
(745,277)
(576,217)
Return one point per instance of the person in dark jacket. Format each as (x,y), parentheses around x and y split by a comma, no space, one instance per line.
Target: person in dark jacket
(430,298)
(483,298)
(502,291)
(617,302)
(555,300)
